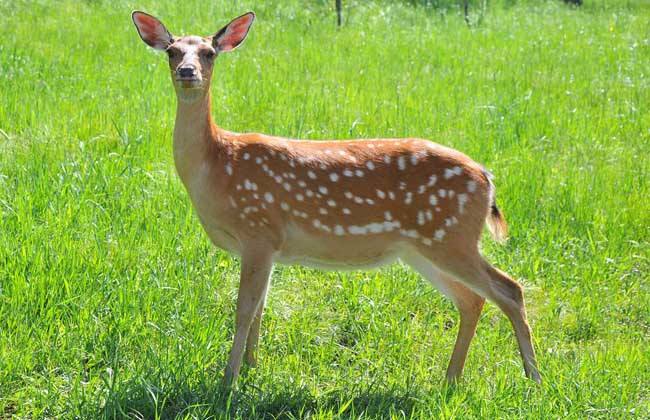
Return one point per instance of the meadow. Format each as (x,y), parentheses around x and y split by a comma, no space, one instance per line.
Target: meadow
(113,302)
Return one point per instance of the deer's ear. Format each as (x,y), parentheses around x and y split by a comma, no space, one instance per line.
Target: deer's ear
(152,31)
(233,34)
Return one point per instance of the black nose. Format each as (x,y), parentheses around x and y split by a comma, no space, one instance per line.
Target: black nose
(186,72)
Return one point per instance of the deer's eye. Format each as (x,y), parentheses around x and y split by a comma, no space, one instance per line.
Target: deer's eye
(209,54)
(171,52)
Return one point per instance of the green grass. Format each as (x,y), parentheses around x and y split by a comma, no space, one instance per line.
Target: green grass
(114,303)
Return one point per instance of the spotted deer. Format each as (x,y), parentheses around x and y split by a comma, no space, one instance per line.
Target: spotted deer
(336,205)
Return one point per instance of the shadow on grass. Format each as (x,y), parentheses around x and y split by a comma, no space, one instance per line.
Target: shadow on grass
(206,398)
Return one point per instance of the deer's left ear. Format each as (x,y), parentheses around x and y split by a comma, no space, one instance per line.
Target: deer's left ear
(233,34)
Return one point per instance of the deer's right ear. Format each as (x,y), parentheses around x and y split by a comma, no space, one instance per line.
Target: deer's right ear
(152,31)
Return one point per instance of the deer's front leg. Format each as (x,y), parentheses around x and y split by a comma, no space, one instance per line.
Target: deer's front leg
(255,271)
(254,335)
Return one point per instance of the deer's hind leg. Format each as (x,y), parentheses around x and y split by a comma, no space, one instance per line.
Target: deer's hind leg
(469,305)
(485,280)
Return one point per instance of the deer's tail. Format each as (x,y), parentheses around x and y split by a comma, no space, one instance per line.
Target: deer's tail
(495,220)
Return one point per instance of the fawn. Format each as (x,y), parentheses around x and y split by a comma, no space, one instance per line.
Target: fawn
(332,204)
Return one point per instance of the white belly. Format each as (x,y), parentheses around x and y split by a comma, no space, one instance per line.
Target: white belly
(339,253)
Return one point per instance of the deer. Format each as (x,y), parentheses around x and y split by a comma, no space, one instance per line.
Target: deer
(332,204)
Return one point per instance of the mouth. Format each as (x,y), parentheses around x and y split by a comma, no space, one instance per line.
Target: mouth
(188,82)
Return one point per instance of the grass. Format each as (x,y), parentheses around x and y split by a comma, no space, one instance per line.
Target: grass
(113,302)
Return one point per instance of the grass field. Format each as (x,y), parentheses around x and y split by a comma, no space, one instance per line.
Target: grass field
(113,302)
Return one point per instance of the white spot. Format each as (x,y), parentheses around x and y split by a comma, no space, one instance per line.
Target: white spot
(432,181)
(348,173)
(300,197)
(228,169)
(358,200)
(322,211)
(309,193)
(346,211)
(248,185)
(410,233)
(302,184)
(357,230)
(439,234)
(422,189)
(387,159)
(348,195)
(292,163)
(451,193)
(322,166)
(414,159)
(471,186)
(429,214)
(238,187)
(389,226)
(285,175)
(420,218)
(232,202)
(391,195)
(247,156)
(303,215)
(283,157)
(292,175)
(456,170)
(278,179)
(311,174)
(295,212)
(409,198)
(442,193)
(462,200)
(375,227)
(251,223)
(331,203)
(370,165)
(381,194)
(370,201)
(334,176)
(256,196)
(402,185)
(287,186)
(342,152)
(427,241)
(401,163)
(258,160)
(316,223)
(358,173)
(322,189)
(388,216)
(338,230)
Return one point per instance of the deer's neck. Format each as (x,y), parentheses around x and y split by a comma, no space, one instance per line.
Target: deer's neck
(196,136)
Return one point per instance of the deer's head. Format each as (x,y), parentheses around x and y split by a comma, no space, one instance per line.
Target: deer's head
(191,58)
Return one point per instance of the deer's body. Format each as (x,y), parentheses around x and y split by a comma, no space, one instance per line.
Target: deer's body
(332,204)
